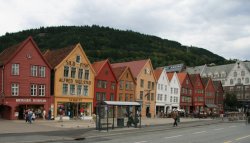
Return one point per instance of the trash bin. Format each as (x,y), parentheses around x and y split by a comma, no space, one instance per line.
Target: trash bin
(120,122)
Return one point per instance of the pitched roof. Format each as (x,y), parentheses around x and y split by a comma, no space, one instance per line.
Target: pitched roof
(158,72)
(196,70)
(170,76)
(55,57)
(181,77)
(135,66)
(98,65)
(217,84)
(193,78)
(118,71)
(205,80)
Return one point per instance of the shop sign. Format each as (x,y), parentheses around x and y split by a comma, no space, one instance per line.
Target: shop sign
(78,81)
(75,100)
(31,100)
(73,63)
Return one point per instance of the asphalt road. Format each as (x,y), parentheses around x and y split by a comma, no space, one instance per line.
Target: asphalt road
(196,132)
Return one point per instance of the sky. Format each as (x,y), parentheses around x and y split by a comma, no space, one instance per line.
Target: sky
(220,26)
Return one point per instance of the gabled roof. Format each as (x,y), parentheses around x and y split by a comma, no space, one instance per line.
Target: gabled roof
(181,77)
(55,57)
(196,70)
(158,72)
(135,66)
(193,78)
(170,76)
(205,80)
(99,65)
(9,53)
(118,71)
(217,84)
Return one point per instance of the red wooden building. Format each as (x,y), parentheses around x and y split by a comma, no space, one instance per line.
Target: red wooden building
(105,83)
(209,95)
(25,80)
(198,93)
(186,91)
(219,92)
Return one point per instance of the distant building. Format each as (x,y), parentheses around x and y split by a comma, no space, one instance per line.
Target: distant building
(175,68)
(175,87)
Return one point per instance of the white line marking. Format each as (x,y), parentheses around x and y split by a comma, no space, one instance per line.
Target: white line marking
(232,126)
(173,137)
(199,132)
(218,129)
(141,142)
(242,138)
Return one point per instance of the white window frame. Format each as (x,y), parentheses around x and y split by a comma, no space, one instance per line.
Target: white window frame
(15,69)
(67,89)
(41,89)
(33,90)
(86,92)
(14,89)
(72,89)
(34,70)
(42,71)
(79,90)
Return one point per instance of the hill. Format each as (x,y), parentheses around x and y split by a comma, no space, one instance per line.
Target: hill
(103,42)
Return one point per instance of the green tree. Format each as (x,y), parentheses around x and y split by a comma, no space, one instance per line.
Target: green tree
(231,101)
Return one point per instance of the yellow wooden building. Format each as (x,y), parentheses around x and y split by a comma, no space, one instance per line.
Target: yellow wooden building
(72,82)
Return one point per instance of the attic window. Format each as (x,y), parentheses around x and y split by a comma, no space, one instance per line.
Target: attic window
(78,59)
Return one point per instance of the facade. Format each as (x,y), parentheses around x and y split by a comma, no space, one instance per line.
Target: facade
(186,91)
(175,87)
(73,82)
(209,95)
(235,78)
(146,84)
(219,92)
(198,94)
(162,92)
(105,83)
(25,81)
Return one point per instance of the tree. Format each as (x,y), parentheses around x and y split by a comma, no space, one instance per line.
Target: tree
(231,101)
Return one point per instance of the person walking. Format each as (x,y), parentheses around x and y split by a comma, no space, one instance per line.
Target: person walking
(174,116)
(44,114)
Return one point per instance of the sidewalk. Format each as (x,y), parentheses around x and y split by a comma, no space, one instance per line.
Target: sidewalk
(19,126)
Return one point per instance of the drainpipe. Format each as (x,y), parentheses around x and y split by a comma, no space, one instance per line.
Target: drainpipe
(2,93)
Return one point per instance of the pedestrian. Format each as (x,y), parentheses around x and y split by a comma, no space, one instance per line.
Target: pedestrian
(44,114)
(33,117)
(49,114)
(174,116)
(26,115)
(30,113)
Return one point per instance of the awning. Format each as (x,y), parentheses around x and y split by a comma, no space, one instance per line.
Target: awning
(122,103)
(211,105)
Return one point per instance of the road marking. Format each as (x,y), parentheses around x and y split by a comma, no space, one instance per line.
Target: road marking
(218,129)
(199,132)
(141,142)
(173,137)
(228,142)
(242,138)
(232,126)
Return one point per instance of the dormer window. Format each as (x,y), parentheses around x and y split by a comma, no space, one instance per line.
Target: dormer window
(78,59)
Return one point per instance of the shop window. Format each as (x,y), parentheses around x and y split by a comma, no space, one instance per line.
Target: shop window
(33,90)
(65,89)
(85,90)
(73,72)
(72,89)
(14,89)
(79,89)
(34,70)
(86,74)
(66,71)
(15,69)
(42,90)
(80,73)
(42,71)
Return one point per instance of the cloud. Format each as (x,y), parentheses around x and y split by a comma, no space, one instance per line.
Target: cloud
(219,26)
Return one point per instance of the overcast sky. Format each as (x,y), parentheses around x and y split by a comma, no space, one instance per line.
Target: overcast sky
(221,26)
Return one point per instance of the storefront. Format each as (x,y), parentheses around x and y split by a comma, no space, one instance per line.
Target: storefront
(73,107)
(14,108)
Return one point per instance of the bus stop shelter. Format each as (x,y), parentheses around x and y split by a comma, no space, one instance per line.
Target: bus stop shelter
(111,114)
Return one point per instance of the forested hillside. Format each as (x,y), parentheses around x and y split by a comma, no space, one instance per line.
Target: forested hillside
(102,42)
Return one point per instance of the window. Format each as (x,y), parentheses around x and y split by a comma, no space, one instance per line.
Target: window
(80,73)
(127,85)
(78,59)
(42,71)
(33,90)
(149,84)
(231,81)
(242,73)
(235,74)
(113,86)
(152,96)
(171,90)
(104,98)
(104,84)
(66,71)
(141,95)
(247,80)
(165,98)
(153,85)
(187,82)
(65,89)
(86,74)
(73,72)
(142,83)
(120,97)
(112,97)
(72,89)
(98,96)
(161,86)
(79,89)
(121,84)
(34,70)
(14,89)
(166,87)
(171,98)
(148,96)
(85,90)
(41,90)
(15,69)
(239,80)
(126,97)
